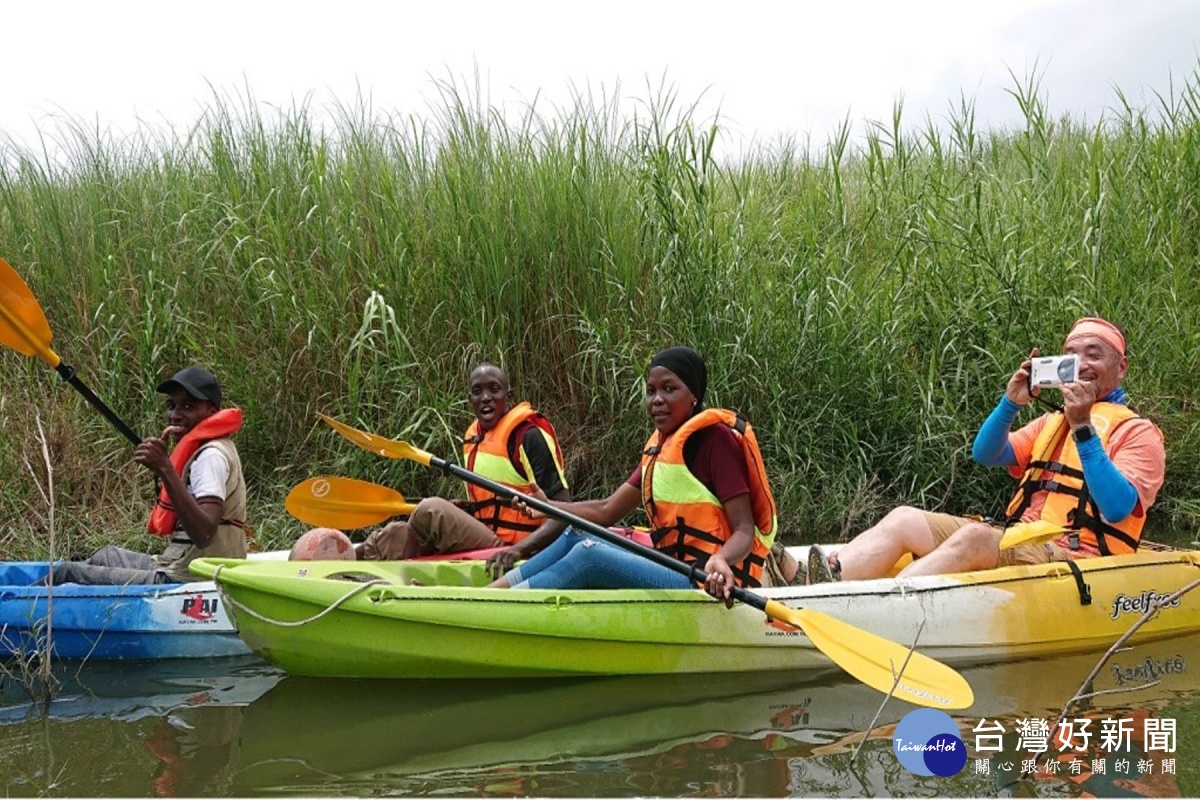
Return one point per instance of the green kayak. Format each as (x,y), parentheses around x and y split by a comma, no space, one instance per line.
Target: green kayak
(433,619)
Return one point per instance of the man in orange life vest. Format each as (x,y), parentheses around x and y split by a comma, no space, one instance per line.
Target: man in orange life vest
(202,503)
(515,446)
(1092,469)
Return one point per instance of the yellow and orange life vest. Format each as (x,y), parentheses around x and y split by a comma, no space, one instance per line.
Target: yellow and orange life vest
(491,454)
(1068,503)
(687,521)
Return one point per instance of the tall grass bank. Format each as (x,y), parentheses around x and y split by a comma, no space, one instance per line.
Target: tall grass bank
(863,302)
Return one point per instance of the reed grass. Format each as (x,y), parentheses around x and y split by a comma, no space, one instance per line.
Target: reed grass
(863,303)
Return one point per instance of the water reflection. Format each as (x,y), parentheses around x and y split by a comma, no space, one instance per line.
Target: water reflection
(131,690)
(115,728)
(238,728)
(1128,770)
(710,735)
(192,747)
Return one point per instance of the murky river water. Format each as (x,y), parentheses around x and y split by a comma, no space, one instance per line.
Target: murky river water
(237,727)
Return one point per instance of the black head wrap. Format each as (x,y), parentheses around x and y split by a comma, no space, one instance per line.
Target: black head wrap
(688,366)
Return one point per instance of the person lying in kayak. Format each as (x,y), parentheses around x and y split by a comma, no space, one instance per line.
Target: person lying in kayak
(1091,470)
(201,505)
(513,445)
(702,485)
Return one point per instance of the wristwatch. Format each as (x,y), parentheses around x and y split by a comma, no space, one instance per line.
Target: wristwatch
(1083,433)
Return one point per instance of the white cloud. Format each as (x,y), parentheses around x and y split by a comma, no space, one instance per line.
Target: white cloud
(773,67)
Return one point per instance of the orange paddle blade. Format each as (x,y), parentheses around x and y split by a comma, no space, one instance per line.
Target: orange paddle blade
(344,503)
(23,325)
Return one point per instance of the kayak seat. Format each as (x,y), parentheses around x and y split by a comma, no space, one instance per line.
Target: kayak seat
(354,576)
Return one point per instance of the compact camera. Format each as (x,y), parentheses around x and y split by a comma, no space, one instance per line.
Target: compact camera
(1053,371)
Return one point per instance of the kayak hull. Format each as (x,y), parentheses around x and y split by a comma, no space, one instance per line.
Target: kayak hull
(143,622)
(111,622)
(403,619)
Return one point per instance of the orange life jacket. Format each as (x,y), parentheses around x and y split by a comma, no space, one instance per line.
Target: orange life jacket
(687,521)
(1068,503)
(496,454)
(223,423)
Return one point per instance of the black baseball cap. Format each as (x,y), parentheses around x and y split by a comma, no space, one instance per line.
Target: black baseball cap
(196,381)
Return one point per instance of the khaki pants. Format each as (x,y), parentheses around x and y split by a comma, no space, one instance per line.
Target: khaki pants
(943,526)
(435,526)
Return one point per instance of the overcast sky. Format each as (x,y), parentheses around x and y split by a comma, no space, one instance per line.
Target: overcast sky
(774,68)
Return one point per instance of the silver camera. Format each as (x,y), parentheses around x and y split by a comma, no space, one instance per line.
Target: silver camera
(1053,371)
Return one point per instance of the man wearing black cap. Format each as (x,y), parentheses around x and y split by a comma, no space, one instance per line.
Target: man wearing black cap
(202,503)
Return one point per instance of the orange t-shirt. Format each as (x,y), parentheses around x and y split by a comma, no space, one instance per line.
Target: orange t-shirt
(1136,449)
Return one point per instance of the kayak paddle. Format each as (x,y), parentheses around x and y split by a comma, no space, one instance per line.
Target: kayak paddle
(344,503)
(23,327)
(871,659)
(1034,532)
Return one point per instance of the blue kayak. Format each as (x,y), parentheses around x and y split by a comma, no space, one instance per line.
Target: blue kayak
(177,620)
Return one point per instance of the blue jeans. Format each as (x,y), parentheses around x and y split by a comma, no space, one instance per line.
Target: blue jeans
(582,561)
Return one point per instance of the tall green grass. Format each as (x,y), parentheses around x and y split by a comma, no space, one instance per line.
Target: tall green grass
(862,302)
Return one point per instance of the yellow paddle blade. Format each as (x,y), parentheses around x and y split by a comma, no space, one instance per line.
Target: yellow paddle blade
(875,660)
(1034,532)
(344,503)
(377,444)
(23,325)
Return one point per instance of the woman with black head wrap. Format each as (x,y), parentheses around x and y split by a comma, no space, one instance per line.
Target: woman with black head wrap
(701,484)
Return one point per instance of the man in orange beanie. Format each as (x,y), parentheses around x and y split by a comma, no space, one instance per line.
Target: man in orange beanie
(1089,470)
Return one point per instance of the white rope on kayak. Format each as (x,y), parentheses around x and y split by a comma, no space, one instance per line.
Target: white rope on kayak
(297,623)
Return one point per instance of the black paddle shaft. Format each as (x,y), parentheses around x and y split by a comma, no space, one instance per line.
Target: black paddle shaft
(68,375)
(694,573)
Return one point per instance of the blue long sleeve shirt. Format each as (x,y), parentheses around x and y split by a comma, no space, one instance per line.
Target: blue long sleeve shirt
(1113,494)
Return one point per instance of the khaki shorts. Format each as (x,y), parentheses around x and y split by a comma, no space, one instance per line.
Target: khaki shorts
(942,526)
(438,525)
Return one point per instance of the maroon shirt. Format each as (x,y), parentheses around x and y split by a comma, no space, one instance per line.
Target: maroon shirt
(714,456)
